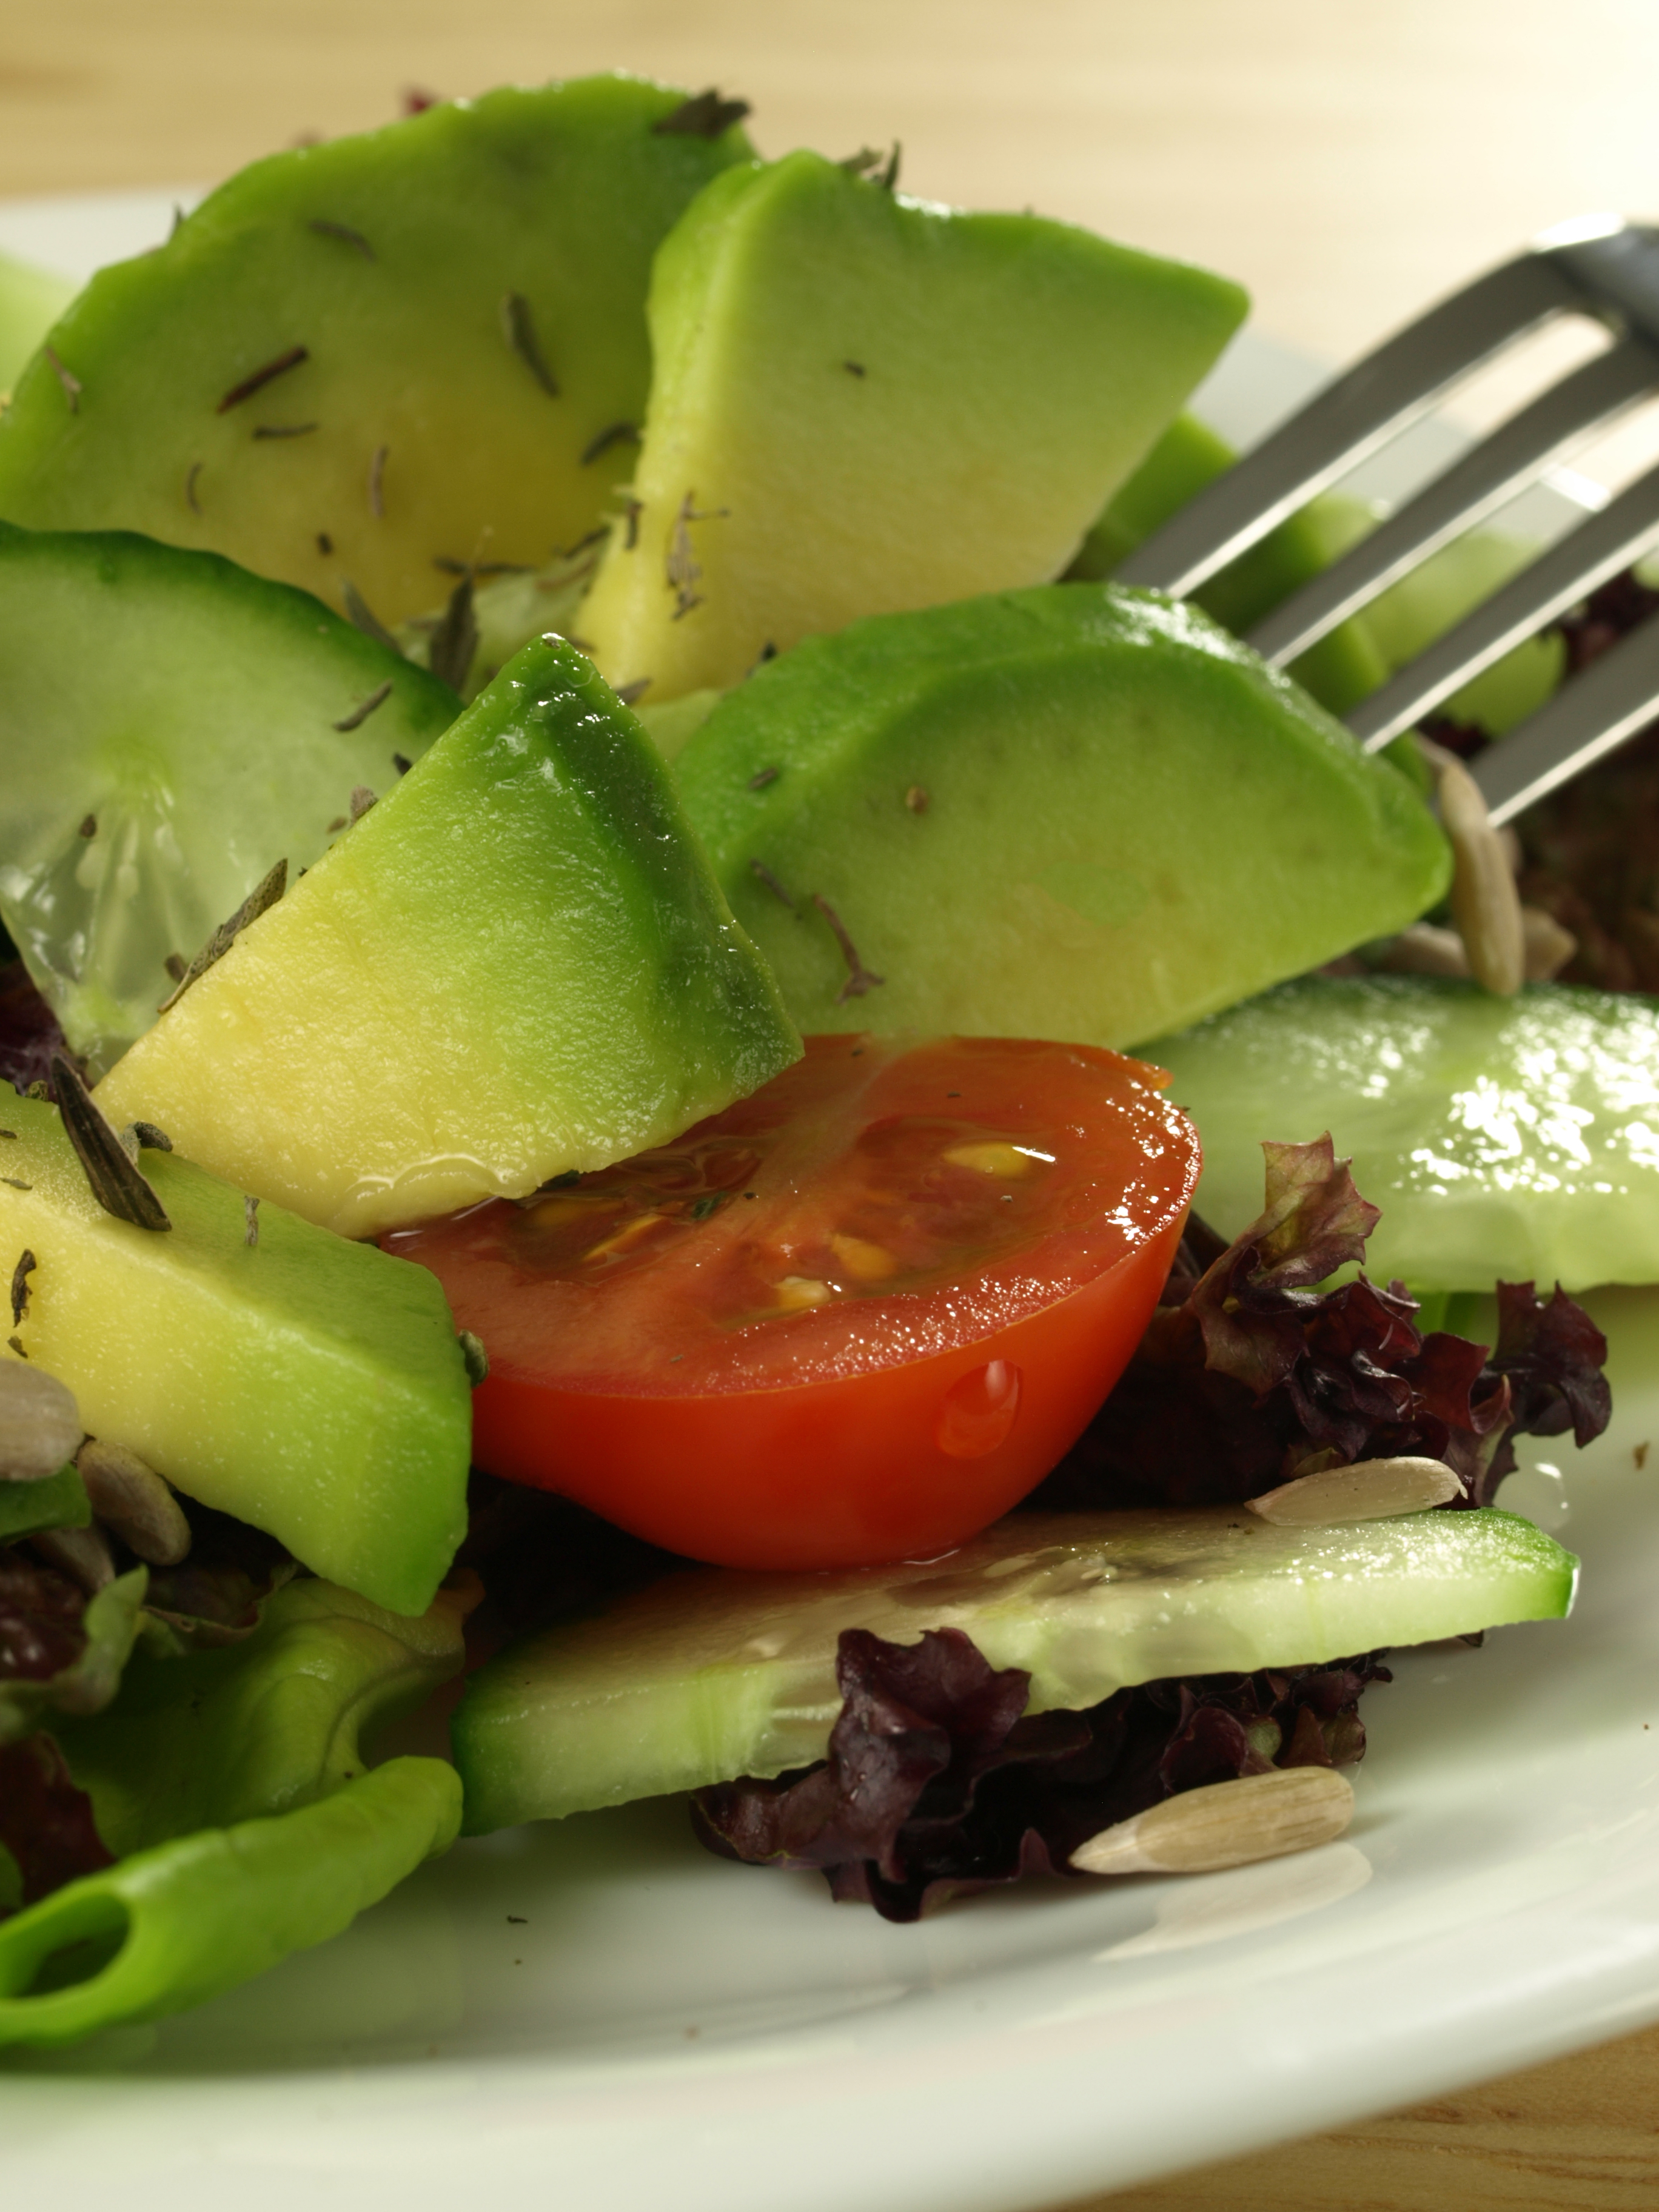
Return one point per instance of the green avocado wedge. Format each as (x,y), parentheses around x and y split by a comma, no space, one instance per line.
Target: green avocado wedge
(171,727)
(310,1386)
(1504,1138)
(425,345)
(705,1676)
(863,402)
(1075,812)
(515,964)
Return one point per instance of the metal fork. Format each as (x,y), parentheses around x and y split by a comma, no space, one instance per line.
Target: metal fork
(1601,268)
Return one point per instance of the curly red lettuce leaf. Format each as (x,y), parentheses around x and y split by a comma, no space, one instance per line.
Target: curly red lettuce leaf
(1248,1376)
(29,1034)
(45,1822)
(939,1783)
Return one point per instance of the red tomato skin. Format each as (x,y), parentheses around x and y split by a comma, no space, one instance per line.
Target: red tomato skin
(737,1478)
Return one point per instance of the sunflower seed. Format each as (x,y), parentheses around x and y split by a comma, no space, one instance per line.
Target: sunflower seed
(1369,1489)
(40,1424)
(1258,1816)
(129,1497)
(1484,903)
(83,1554)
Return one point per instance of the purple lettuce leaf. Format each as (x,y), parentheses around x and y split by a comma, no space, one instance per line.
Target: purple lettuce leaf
(45,1822)
(939,1783)
(1248,1376)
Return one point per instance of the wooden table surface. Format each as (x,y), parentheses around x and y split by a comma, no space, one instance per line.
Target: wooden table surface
(1347,158)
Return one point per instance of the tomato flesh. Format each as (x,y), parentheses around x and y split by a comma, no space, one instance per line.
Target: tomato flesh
(852,1319)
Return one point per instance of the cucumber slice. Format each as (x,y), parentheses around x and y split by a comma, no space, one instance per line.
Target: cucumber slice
(711,1675)
(424,344)
(1503,1137)
(171,727)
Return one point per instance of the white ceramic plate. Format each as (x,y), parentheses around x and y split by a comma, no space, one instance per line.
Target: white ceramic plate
(598,2014)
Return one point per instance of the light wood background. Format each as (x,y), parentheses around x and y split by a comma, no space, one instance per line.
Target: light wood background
(1347,158)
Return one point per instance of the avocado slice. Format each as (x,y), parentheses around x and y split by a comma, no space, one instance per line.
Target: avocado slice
(171,727)
(425,345)
(708,1675)
(1510,1139)
(312,1387)
(515,964)
(863,402)
(1062,813)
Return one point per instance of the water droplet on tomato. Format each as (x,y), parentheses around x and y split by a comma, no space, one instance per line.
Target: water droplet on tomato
(978,1410)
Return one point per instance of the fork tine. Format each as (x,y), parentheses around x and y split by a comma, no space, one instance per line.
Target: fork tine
(1474,488)
(1617,695)
(1572,567)
(1350,419)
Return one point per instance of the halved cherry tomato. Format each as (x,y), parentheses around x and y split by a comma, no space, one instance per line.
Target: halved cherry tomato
(852,1319)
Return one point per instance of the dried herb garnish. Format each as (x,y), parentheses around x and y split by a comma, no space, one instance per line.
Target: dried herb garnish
(861,163)
(345,234)
(475,1358)
(190,476)
(859,977)
(855,368)
(761,777)
(630,693)
(763,874)
(20,1287)
(455,640)
(938,1784)
(614,434)
(362,616)
(325,544)
(518,324)
(146,1134)
(265,893)
(681,569)
(362,799)
(360,714)
(889,176)
(261,377)
(376,481)
(916,799)
(113,1178)
(704,115)
(88,828)
(1248,1375)
(72,384)
(632,512)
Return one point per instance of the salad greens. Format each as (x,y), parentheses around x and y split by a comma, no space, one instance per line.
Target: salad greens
(410,373)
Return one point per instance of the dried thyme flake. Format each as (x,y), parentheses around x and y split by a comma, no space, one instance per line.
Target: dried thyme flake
(401,765)
(634,510)
(360,714)
(88,826)
(681,567)
(177,966)
(261,377)
(455,640)
(265,893)
(16,1183)
(859,979)
(762,776)
(249,1222)
(377,483)
(614,434)
(855,368)
(345,234)
(10,1133)
(114,1180)
(285,429)
(710,1202)
(759,870)
(916,799)
(861,163)
(362,616)
(889,176)
(362,799)
(476,1359)
(15,1344)
(72,384)
(518,325)
(146,1134)
(20,1287)
(629,693)
(190,500)
(704,115)
(325,544)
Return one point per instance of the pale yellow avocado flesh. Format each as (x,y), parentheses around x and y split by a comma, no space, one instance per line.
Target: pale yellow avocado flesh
(516,963)
(862,404)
